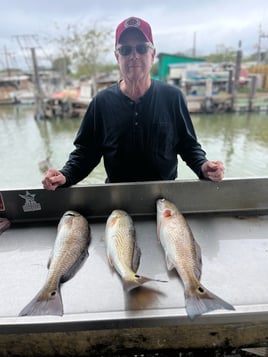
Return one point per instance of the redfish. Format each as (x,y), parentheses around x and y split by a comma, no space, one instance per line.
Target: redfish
(69,253)
(122,250)
(184,254)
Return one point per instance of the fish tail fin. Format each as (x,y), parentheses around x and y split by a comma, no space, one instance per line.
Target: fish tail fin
(136,280)
(44,304)
(201,300)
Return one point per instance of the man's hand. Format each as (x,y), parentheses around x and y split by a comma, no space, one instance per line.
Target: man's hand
(53,179)
(213,170)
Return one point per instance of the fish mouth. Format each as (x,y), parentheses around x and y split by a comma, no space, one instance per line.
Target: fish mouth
(71,213)
(160,200)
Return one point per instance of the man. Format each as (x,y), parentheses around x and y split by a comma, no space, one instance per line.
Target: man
(138,125)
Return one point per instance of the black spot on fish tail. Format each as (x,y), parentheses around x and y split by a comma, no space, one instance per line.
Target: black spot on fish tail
(202,300)
(201,290)
(44,304)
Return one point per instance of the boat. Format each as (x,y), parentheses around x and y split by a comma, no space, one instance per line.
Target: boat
(6,98)
(12,87)
(66,104)
(25,97)
(228,219)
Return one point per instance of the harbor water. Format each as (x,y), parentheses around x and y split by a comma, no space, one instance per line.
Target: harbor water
(240,140)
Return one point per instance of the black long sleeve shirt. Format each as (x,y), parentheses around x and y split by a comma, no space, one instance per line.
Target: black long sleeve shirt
(139,141)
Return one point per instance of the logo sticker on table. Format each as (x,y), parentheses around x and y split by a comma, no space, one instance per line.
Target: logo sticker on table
(30,203)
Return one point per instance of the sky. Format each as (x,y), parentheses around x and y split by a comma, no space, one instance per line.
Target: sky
(178,26)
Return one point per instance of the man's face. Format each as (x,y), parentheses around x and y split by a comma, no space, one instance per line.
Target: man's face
(135,66)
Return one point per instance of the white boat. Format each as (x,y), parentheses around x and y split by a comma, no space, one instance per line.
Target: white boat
(25,97)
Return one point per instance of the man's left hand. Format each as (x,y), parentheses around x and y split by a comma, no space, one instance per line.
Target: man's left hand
(213,170)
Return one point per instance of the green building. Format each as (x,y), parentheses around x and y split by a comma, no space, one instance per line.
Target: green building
(165,60)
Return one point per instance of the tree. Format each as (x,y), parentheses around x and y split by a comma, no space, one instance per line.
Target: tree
(223,54)
(86,47)
(62,65)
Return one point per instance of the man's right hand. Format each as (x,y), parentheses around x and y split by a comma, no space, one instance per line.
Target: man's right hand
(53,179)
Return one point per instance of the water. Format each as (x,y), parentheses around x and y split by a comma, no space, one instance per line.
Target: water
(239,140)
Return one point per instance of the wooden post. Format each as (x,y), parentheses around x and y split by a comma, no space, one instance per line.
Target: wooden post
(230,82)
(236,74)
(252,92)
(38,94)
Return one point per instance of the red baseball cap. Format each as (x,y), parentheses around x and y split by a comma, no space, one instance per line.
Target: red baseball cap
(137,23)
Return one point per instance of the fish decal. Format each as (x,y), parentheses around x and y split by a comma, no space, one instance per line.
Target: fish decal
(184,254)
(69,253)
(122,250)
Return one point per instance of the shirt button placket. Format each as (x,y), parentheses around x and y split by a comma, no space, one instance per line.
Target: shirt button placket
(136,114)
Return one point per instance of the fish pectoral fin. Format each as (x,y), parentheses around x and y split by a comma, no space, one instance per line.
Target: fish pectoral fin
(110,260)
(75,267)
(44,303)
(137,280)
(169,262)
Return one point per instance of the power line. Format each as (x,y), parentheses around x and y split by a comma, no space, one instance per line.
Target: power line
(26,43)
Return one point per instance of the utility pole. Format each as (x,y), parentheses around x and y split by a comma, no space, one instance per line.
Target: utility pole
(194,45)
(236,74)
(261,35)
(38,94)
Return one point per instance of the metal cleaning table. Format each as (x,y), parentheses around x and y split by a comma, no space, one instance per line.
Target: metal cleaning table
(229,221)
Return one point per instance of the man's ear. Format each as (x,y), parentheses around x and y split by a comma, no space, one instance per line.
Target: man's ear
(116,55)
(154,54)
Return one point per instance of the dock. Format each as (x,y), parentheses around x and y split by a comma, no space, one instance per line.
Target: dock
(223,103)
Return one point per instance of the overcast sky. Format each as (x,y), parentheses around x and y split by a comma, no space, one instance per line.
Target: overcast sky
(175,23)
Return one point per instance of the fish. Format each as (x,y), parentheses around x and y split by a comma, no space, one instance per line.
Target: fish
(183,253)
(67,256)
(122,250)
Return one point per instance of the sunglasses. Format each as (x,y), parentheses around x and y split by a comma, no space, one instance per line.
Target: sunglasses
(126,50)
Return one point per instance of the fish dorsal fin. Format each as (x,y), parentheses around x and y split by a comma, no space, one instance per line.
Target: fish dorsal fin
(198,261)
(136,257)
